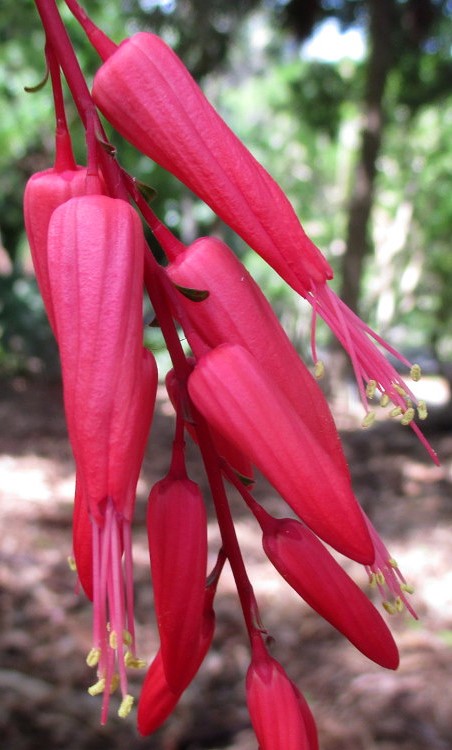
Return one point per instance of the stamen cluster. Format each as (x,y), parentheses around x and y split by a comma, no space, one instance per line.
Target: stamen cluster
(243,395)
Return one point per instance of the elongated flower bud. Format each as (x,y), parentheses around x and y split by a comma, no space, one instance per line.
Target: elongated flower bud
(95,261)
(44,192)
(177,532)
(95,251)
(157,700)
(238,399)
(315,575)
(276,712)
(148,95)
(237,312)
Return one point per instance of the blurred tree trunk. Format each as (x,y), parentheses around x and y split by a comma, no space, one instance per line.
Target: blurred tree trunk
(382,20)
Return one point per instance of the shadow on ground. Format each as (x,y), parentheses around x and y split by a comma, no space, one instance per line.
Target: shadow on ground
(45,626)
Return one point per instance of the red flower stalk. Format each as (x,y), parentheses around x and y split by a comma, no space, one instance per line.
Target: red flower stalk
(314,574)
(44,192)
(280,716)
(177,533)
(227,450)
(157,700)
(149,96)
(95,262)
(237,312)
(239,399)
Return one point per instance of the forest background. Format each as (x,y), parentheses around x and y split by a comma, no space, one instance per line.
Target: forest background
(357,134)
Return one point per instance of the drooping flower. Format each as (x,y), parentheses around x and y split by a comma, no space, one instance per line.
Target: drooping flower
(157,700)
(95,262)
(280,716)
(314,574)
(148,95)
(177,533)
(237,397)
(237,312)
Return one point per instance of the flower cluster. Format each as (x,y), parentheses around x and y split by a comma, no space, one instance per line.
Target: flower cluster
(244,395)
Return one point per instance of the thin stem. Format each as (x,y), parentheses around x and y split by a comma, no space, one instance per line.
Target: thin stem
(64,156)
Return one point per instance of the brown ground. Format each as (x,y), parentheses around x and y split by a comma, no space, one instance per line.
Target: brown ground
(45,626)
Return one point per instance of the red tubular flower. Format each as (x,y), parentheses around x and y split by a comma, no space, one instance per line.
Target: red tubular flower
(157,700)
(234,457)
(95,262)
(241,401)
(314,574)
(44,192)
(280,719)
(148,95)
(237,312)
(177,532)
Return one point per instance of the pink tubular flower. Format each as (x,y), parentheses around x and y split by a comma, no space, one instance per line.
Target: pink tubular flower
(314,574)
(280,716)
(95,261)
(44,192)
(239,400)
(177,532)
(157,700)
(237,312)
(149,96)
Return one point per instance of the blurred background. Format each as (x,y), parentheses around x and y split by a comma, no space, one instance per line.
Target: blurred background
(348,104)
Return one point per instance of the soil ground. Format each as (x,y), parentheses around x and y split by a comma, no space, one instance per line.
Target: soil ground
(45,625)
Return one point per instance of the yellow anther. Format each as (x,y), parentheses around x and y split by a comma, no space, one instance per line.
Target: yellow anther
(396,412)
(384,400)
(113,640)
(133,662)
(114,683)
(422,409)
(372,580)
(390,608)
(127,638)
(371,387)
(415,373)
(126,706)
(369,419)
(319,369)
(98,687)
(93,657)
(407,588)
(393,563)
(398,388)
(380,579)
(408,416)
(399,605)
(71,563)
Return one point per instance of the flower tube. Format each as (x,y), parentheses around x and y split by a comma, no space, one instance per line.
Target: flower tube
(239,400)
(95,261)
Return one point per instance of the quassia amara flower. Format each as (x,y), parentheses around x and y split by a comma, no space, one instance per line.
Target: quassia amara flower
(239,400)
(281,718)
(95,261)
(149,96)
(237,312)
(308,567)
(157,700)
(177,532)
